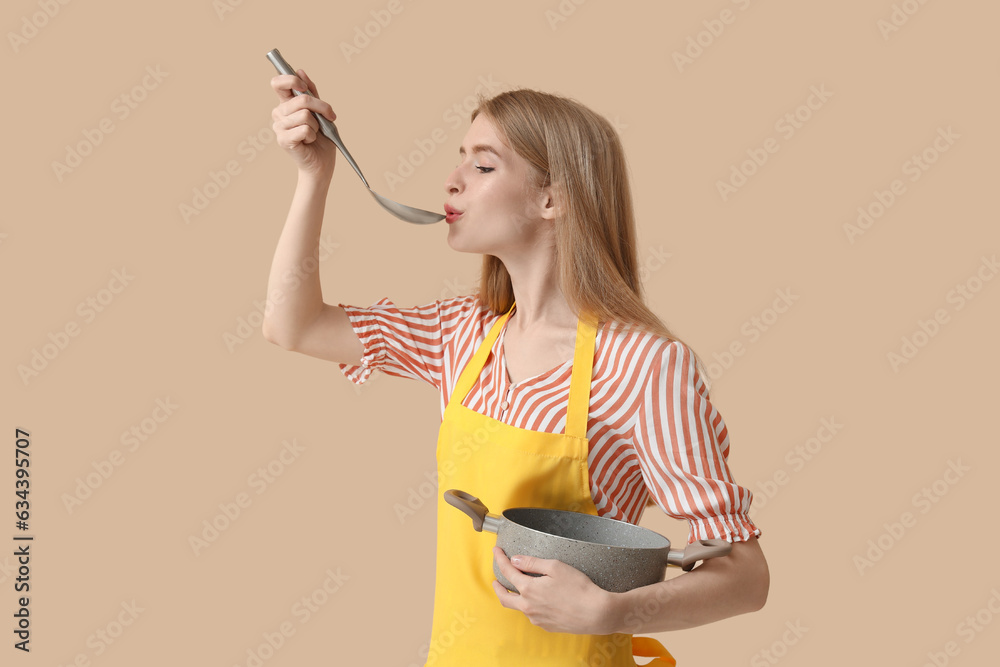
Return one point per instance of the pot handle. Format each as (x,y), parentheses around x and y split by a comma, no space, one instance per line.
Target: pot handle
(696,551)
(474,507)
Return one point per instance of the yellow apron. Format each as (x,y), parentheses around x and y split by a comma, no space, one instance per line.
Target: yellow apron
(506,467)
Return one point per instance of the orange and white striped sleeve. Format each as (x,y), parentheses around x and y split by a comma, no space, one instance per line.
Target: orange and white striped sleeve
(683,446)
(404,342)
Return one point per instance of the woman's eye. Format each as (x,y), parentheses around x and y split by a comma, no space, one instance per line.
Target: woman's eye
(484,170)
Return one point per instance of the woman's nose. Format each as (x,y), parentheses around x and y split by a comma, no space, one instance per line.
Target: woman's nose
(452,183)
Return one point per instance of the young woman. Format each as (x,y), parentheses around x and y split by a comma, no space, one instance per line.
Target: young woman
(559,387)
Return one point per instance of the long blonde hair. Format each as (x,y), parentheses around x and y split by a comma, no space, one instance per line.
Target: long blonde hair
(579,153)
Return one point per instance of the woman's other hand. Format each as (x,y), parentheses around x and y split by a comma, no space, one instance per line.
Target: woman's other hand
(563,599)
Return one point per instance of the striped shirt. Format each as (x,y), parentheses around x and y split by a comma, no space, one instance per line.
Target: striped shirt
(651,427)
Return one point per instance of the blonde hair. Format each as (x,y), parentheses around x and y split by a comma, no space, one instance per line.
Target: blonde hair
(579,153)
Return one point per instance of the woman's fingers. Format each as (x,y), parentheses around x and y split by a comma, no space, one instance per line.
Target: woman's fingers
(295,127)
(311,86)
(283,84)
(292,119)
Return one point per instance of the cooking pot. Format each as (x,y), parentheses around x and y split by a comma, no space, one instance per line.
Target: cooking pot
(617,556)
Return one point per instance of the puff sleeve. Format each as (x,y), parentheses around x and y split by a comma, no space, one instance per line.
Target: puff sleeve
(404,342)
(682,444)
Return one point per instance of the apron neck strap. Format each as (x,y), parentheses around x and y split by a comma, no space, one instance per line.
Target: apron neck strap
(578,410)
(579,385)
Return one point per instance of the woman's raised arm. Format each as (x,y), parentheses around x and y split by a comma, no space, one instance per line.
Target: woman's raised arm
(296,318)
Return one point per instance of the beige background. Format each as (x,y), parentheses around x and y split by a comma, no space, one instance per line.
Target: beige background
(366,449)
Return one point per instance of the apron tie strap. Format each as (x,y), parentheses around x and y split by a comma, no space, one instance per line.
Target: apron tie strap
(647,647)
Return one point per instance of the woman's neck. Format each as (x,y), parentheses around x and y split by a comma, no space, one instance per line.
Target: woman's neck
(540,306)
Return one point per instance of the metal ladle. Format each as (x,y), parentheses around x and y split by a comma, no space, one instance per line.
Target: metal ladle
(415,215)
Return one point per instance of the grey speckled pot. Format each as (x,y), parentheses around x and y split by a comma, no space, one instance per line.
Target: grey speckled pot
(616,555)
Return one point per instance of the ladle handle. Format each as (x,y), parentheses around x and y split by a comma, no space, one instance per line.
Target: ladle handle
(696,551)
(326,126)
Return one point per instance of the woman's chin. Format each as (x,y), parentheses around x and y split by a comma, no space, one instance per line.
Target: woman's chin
(456,243)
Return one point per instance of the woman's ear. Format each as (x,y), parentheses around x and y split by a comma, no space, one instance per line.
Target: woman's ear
(551,200)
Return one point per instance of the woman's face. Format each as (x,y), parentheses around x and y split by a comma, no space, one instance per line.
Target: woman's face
(491,187)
